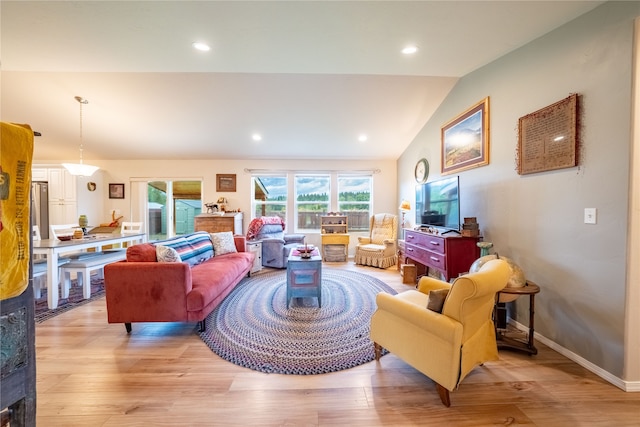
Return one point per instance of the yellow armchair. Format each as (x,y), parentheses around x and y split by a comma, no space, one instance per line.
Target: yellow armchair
(444,346)
(379,248)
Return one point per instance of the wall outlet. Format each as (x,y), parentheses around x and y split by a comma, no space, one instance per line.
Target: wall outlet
(590,215)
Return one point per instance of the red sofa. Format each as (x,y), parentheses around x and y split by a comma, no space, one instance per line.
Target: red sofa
(141,289)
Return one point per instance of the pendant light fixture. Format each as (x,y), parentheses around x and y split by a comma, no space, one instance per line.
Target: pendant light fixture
(80,168)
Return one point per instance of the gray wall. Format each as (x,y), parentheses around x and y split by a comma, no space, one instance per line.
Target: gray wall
(537,219)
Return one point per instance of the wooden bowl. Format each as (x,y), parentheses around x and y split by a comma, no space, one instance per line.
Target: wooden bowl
(308,249)
(65,238)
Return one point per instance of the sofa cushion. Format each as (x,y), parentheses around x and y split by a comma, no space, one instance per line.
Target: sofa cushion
(193,248)
(210,278)
(223,243)
(167,254)
(143,252)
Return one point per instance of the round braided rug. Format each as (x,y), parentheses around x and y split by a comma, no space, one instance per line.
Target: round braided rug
(253,327)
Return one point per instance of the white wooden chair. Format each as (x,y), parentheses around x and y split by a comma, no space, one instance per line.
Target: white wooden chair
(131,227)
(40,267)
(127,228)
(61,229)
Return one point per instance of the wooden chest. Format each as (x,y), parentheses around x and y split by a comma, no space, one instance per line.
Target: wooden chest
(450,255)
(218,223)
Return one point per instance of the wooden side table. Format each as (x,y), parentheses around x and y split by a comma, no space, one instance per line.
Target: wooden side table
(255,246)
(510,343)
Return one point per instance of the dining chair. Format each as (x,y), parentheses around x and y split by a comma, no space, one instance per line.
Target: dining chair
(57,230)
(40,266)
(131,227)
(127,227)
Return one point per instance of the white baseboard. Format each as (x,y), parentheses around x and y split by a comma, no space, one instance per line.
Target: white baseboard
(630,386)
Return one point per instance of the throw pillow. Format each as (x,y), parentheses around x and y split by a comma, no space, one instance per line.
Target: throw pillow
(193,248)
(167,254)
(223,243)
(142,252)
(436,299)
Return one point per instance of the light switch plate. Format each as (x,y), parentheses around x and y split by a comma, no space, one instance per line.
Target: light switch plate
(590,215)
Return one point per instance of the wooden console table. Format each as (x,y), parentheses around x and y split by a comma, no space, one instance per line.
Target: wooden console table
(510,343)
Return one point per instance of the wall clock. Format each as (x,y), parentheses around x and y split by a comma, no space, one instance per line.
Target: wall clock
(421,172)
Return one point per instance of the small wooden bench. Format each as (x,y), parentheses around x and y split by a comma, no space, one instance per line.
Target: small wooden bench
(83,264)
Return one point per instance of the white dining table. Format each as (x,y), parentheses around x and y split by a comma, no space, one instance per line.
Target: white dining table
(52,248)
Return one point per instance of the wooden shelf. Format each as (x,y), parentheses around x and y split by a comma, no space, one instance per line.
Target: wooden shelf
(335,235)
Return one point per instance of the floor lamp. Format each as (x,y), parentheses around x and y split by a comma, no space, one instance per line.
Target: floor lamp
(404,207)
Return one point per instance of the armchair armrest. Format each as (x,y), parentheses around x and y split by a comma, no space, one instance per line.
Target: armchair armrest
(428,284)
(389,242)
(293,238)
(364,240)
(272,241)
(432,323)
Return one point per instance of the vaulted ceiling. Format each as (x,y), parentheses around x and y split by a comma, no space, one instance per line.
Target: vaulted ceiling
(310,77)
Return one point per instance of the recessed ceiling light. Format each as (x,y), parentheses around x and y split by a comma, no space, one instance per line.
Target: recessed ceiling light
(362,137)
(410,50)
(201,46)
(256,137)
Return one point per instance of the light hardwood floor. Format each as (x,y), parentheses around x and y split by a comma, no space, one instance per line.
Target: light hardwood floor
(91,373)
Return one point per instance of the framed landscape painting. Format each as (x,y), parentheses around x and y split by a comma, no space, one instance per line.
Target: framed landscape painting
(465,139)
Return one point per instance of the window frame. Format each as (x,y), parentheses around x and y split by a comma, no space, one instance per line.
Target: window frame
(297,203)
(255,203)
(339,204)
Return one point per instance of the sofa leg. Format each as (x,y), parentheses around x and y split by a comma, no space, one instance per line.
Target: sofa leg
(377,349)
(444,395)
(202,326)
(127,326)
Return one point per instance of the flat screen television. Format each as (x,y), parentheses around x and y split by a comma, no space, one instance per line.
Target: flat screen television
(438,204)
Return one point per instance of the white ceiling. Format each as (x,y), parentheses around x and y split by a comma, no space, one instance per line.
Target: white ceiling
(310,76)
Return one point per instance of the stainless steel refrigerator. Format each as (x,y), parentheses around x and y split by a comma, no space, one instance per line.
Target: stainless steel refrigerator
(40,207)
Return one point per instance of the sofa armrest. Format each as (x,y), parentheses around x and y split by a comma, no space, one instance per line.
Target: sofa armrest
(147,291)
(240,242)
